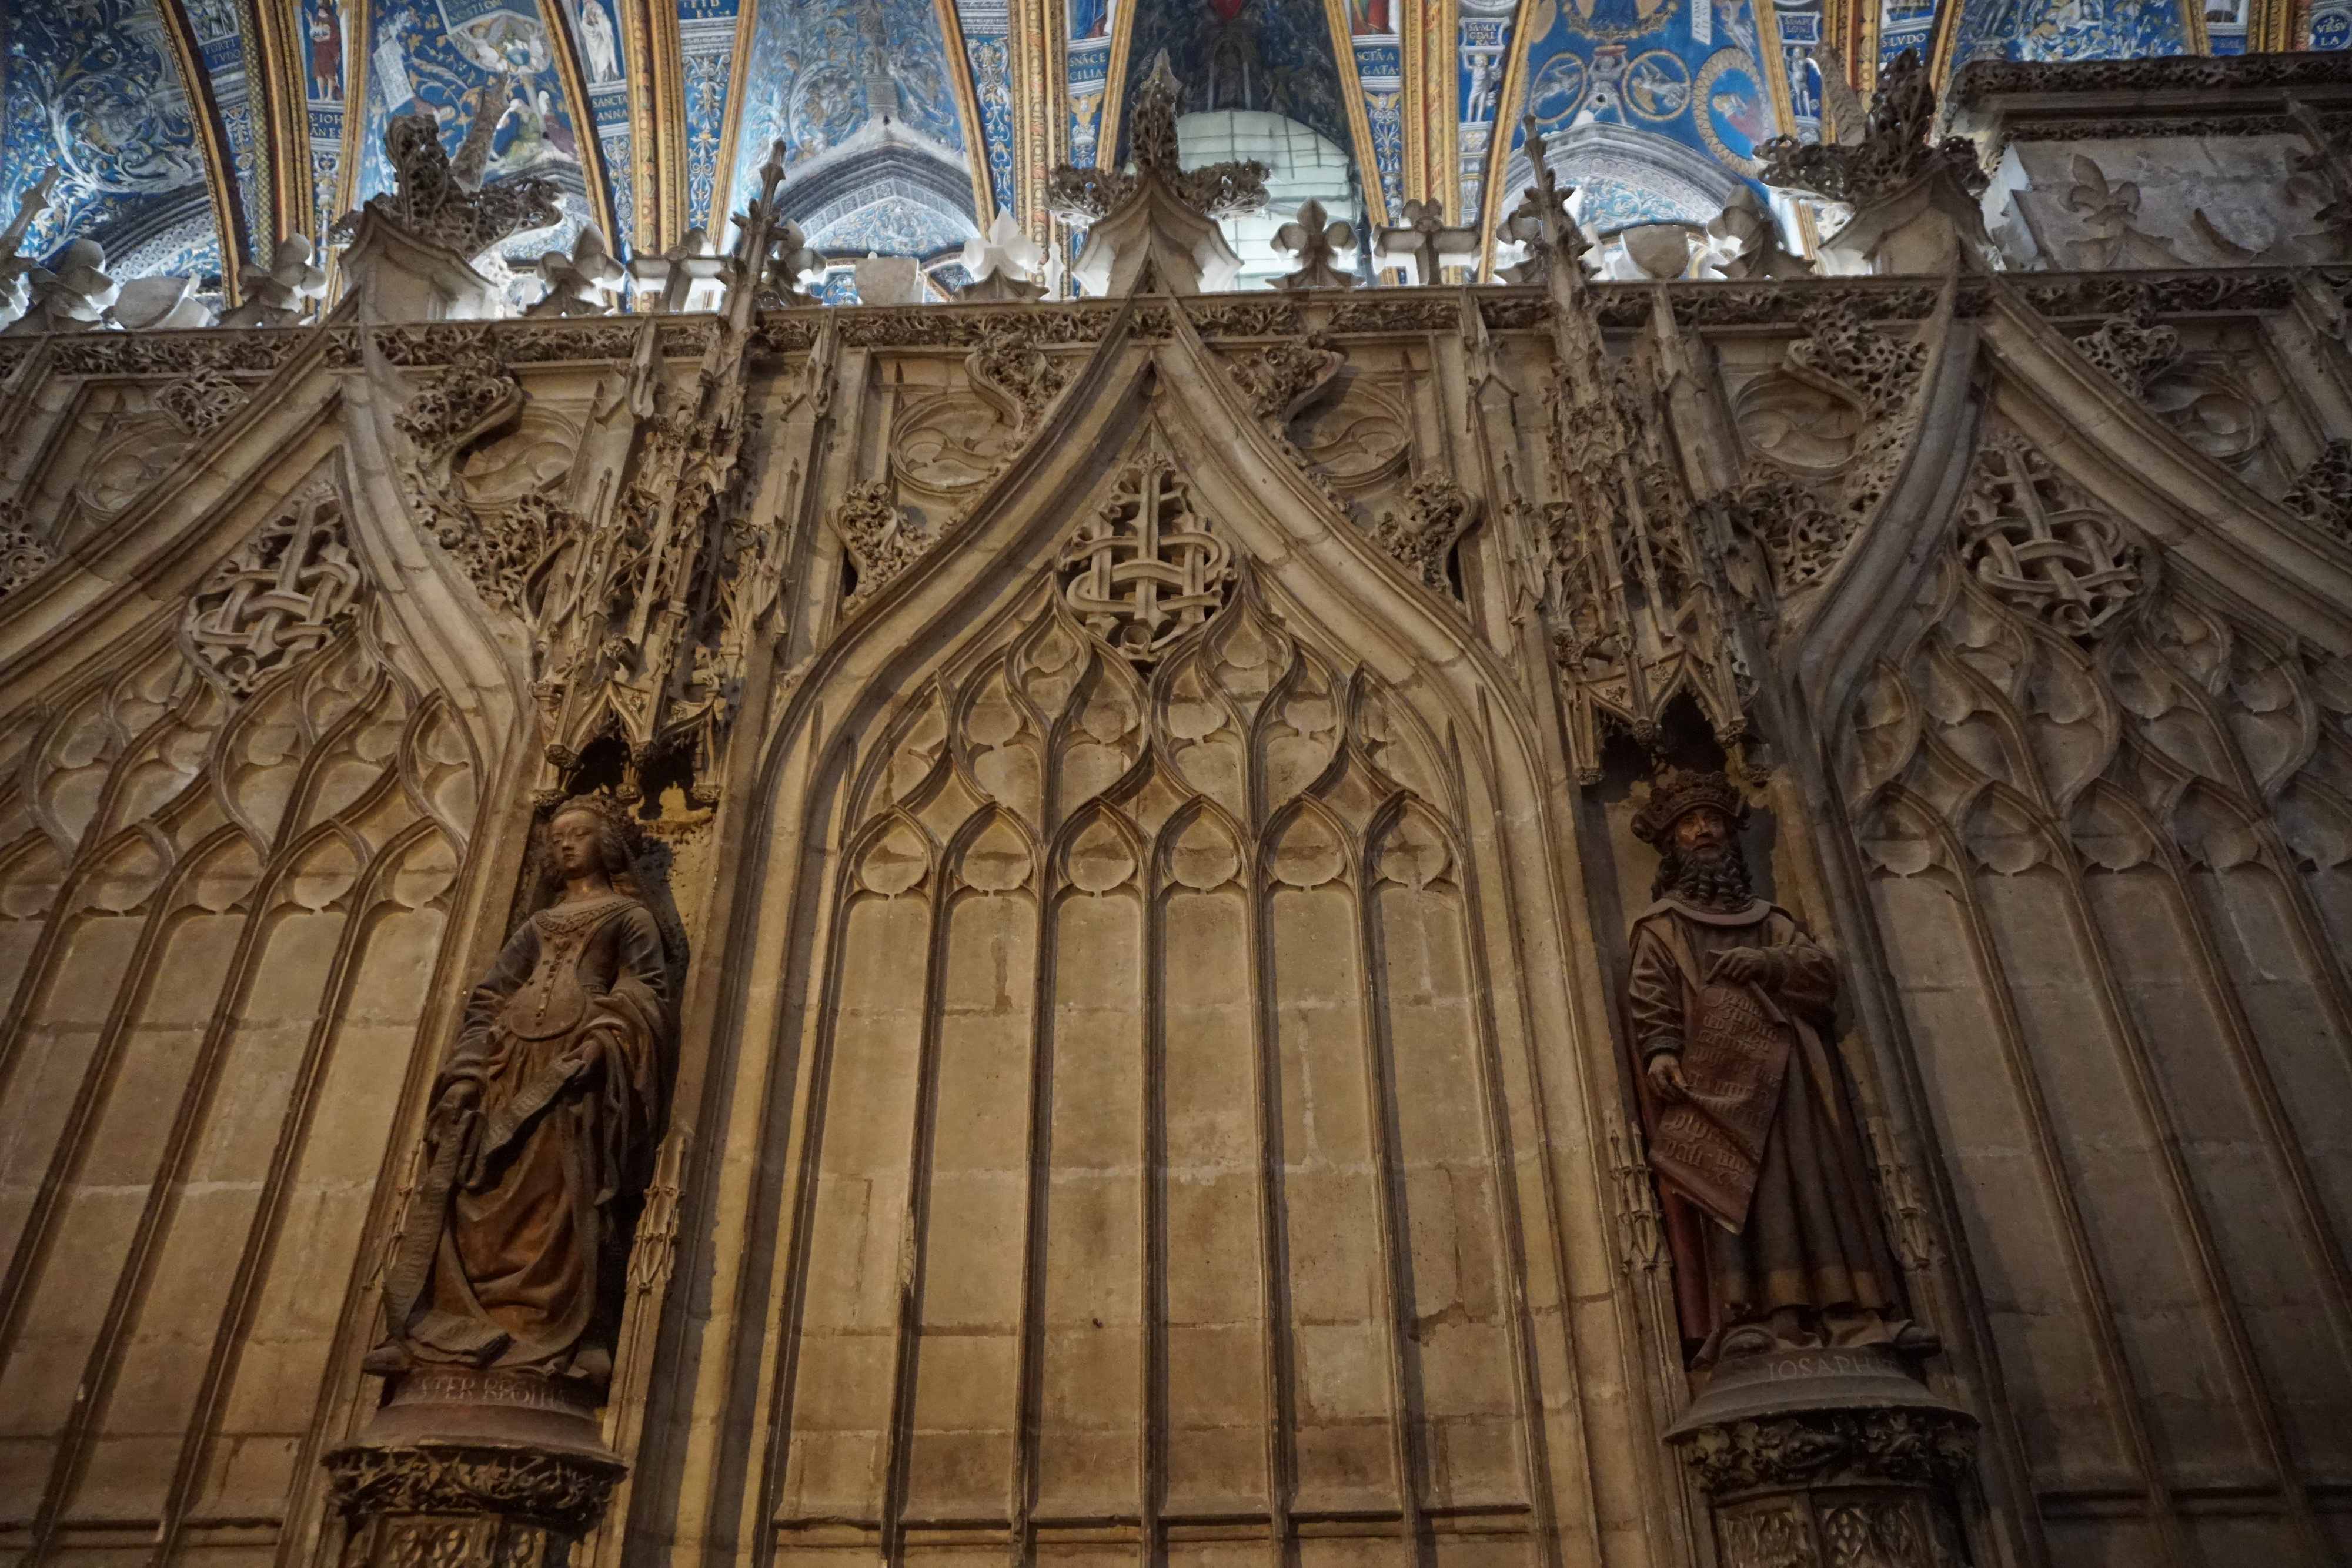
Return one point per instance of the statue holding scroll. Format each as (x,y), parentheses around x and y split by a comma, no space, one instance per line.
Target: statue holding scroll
(544,1121)
(1754,1129)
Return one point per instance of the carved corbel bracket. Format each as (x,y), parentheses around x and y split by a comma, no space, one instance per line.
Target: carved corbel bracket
(1437,513)
(1282,378)
(1013,373)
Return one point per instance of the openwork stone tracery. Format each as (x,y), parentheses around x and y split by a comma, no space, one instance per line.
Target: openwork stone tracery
(2029,541)
(276,600)
(1147,570)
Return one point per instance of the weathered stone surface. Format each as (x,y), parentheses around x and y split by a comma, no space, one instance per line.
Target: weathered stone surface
(1151,1081)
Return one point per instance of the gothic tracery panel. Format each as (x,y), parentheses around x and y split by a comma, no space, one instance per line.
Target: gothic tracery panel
(2105,817)
(1156,1176)
(224,856)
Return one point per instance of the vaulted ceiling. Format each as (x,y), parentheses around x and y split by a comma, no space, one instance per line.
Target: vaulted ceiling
(190,134)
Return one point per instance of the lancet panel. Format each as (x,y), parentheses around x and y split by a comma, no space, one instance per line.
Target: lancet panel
(1181,1161)
(2078,771)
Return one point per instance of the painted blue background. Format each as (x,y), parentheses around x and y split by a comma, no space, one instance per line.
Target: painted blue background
(91,86)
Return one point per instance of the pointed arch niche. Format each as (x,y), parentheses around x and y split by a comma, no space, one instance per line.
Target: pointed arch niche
(1186,1158)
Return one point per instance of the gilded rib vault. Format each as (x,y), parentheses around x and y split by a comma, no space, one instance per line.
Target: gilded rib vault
(1543,923)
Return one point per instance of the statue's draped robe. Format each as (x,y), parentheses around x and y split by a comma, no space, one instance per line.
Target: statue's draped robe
(567,1032)
(1813,1239)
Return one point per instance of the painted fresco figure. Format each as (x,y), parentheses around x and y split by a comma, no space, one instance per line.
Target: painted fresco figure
(599,43)
(1753,1125)
(326,54)
(544,1122)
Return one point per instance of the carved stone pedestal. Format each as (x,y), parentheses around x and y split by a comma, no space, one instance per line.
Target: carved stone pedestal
(1828,1459)
(473,1470)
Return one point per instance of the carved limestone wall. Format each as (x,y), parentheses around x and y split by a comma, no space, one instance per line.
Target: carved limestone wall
(2103,806)
(1149,1082)
(227,843)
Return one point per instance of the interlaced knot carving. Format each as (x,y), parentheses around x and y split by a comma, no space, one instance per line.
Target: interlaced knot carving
(1146,570)
(278,598)
(2071,565)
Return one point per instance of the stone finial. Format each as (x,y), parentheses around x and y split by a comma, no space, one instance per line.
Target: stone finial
(1003,262)
(581,284)
(74,297)
(792,266)
(684,277)
(1645,253)
(146,303)
(1424,241)
(1540,227)
(274,297)
(1317,244)
(1914,198)
(888,280)
(771,256)
(1895,149)
(1159,217)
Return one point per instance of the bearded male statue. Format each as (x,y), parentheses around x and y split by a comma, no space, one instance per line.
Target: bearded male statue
(544,1121)
(1754,1128)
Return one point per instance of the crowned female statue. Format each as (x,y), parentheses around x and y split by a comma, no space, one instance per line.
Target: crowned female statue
(544,1121)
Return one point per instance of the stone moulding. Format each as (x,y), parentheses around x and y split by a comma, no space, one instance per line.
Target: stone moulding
(2197,75)
(567,1491)
(1901,1445)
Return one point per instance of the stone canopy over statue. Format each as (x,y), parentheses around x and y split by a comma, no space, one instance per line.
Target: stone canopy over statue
(545,1117)
(1754,1128)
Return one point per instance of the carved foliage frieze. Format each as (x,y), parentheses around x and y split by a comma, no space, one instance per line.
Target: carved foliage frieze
(23,553)
(200,404)
(2322,494)
(882,540)
(1828,433)
(474,392)
(1283,377)
(2132,346)
(1907,1446)
(1422,537)
(1009,369)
